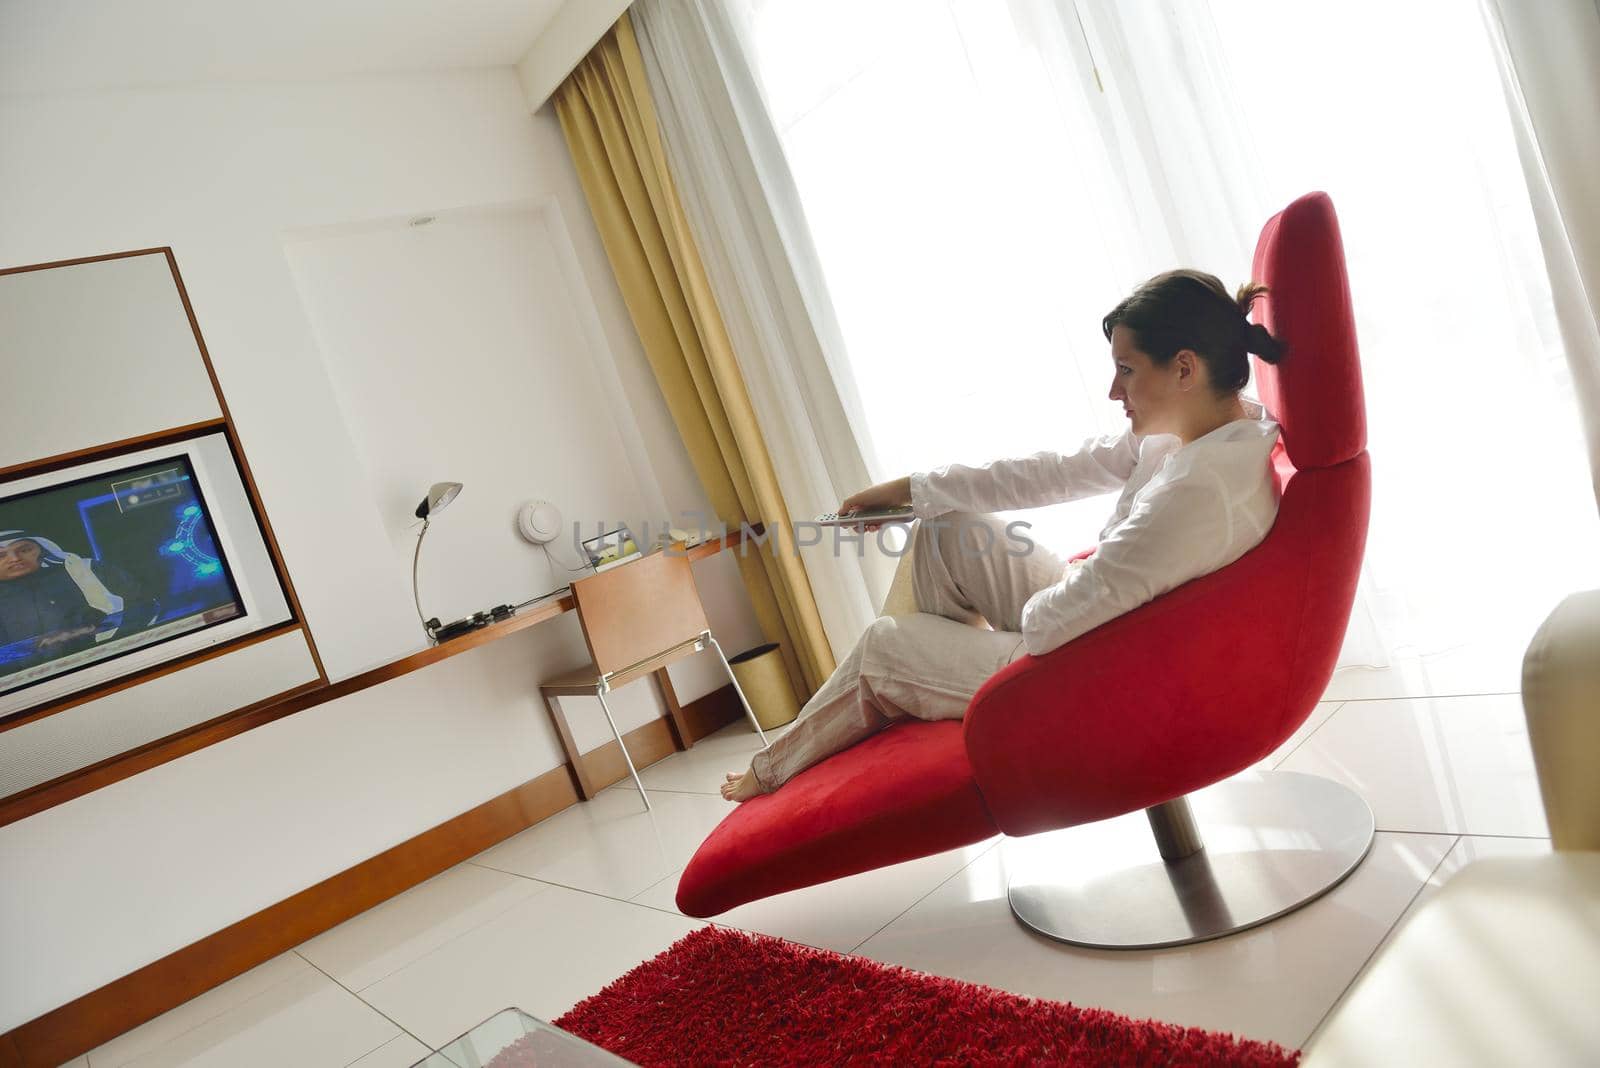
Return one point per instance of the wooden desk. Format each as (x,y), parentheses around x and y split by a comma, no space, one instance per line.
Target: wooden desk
(76,784)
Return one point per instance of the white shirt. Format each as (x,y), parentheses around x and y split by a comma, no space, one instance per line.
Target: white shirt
(1185,511)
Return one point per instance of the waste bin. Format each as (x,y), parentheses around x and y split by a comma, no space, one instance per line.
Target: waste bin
(765,683)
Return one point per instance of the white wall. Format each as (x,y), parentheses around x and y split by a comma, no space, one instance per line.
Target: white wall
(104,884)
(457,354)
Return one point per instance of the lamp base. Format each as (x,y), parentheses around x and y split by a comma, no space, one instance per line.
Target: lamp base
(1274,841)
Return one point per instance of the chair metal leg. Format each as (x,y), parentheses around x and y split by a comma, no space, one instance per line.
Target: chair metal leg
(734,679)
(1273,841)
(1172,822)
(620,745)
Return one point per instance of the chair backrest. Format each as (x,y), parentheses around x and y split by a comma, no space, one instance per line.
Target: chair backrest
(1321,460)
(639,609)
(1316,391)
(1208,678)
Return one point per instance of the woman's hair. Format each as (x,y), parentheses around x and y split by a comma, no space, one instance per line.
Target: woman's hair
(1186,309)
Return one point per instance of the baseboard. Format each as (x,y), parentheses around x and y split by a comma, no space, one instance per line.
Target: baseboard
(646,745)
(125,1003)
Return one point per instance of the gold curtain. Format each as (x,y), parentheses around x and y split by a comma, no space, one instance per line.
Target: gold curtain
(610,125)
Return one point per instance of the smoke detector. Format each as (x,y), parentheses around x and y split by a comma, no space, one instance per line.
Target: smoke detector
(539,522)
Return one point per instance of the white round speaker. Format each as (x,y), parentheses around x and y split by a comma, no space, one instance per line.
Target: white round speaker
(539,522)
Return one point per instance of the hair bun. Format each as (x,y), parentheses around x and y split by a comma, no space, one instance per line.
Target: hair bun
(1259,340)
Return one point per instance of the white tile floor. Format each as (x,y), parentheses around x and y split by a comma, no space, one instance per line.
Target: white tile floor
(1447,771)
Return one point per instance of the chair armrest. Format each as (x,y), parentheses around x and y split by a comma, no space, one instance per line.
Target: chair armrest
(1561,699)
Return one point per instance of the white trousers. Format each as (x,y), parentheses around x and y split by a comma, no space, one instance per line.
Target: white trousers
(970,582)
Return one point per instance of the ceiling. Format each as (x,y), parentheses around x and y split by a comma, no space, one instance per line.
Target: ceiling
(52,46)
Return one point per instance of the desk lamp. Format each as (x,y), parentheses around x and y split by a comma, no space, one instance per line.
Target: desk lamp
(441,494)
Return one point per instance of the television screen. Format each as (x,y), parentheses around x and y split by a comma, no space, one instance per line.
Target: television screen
(97,567)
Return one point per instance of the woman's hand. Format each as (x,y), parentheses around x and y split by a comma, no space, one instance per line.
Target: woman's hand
(895,493)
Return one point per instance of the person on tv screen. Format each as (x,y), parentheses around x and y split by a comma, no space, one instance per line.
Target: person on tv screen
(58,599)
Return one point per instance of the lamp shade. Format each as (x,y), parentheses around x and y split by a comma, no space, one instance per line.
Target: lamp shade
(439,495)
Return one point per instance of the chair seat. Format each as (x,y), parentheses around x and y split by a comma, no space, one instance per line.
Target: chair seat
(904,793)
(587,675)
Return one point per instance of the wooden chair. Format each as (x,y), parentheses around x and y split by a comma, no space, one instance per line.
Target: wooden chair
(637,618)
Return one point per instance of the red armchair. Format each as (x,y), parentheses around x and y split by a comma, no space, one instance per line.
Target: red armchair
(1184,692)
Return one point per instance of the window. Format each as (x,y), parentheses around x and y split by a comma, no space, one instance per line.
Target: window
(986,180)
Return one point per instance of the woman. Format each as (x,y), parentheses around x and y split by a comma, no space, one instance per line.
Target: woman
(1197,493)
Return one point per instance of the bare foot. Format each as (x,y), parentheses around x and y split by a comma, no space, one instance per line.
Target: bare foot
(741,786)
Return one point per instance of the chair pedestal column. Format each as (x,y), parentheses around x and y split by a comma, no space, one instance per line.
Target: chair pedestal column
(1272,841)
(1177,835)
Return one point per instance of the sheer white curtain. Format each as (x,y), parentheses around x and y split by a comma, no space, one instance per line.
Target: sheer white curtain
(743,207)
(984,181)
(1549,62)
(1482,515)
(970,241)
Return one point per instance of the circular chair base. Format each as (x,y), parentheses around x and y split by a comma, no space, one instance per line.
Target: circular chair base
(1274,841)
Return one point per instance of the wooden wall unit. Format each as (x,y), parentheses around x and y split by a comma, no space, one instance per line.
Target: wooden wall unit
(98,389)
(88,1021)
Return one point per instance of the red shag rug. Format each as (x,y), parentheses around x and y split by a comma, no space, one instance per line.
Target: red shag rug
(720,996)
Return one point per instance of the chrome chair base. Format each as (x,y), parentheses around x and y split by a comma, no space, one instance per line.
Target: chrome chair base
(626,756)
(1273,841)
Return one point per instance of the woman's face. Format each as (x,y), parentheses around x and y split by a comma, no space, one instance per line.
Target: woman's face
(1151,396)
(17,559)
